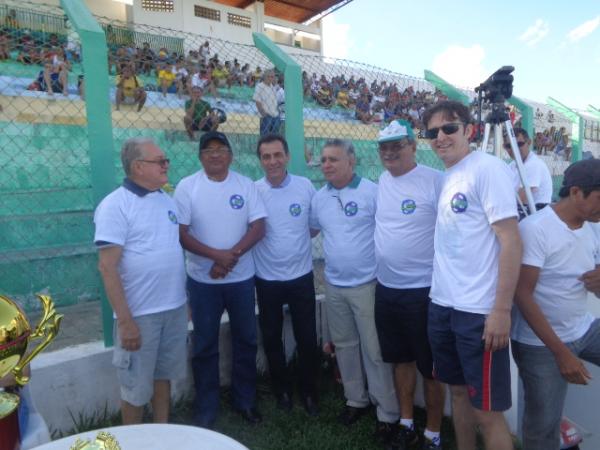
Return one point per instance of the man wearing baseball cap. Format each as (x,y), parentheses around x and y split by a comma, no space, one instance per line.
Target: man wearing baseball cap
(221,217)
(553,331)
(404,228)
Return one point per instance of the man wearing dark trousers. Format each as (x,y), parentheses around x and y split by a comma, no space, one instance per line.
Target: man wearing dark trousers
(284,273)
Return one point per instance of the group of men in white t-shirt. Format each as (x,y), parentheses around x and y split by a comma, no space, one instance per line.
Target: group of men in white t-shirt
(420,274)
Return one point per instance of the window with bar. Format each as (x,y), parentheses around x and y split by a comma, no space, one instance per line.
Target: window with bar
(158,5)
(240,21)
(207,13)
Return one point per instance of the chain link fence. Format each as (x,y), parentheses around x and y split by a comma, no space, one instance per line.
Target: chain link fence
(167,85)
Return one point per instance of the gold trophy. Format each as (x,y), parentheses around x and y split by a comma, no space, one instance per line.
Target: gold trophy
(15,335)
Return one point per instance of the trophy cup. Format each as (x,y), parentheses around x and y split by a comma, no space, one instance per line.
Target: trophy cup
(15,335)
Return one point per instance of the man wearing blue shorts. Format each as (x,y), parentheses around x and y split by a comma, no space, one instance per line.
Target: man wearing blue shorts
(475,269)
(553,330)
(141,263)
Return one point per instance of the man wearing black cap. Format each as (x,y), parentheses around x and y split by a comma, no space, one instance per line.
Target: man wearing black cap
(221,217)
(553,331)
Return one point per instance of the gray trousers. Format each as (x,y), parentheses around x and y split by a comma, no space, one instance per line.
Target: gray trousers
(545,389)
(351,320)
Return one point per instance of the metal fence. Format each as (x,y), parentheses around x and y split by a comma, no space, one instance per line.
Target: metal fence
(46,201)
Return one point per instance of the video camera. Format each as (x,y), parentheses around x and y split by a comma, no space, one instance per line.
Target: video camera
(498,87)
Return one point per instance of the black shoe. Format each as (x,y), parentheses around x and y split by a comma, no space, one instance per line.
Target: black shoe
(404,439)
(385,431)
(284,402)
(250,415)
(350,415)
(310,406)
(428,444)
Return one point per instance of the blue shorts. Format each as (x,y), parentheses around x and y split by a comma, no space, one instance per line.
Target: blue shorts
(459,358)
(163,355)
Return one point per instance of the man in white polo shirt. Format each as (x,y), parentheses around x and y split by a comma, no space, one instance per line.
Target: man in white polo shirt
(536,173)
(221,218)
(553,330)
(404,225)
(477,253)
(265,97)
(141,263)
(344,210)
(284,273)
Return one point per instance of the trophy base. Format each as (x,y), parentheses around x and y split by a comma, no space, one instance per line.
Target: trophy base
(9,422)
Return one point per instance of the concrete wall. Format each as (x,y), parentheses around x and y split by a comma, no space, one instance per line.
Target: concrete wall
(107,8)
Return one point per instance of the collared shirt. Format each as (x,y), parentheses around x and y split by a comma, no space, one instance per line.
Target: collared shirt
(347,219)
(144,223)
(285,251)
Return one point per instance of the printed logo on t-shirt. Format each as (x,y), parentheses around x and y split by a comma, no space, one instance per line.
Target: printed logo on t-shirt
(295,209)
(408,206)
(459,203)
(351,209)
(236,201)
(173,217)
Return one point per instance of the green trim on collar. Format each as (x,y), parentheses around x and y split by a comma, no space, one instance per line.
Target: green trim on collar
(354,182)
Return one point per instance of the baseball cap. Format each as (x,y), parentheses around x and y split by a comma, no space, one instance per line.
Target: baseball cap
(213,136)
(396,130)
(582,174)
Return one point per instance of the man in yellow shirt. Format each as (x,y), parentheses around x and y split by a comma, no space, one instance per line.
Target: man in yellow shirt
(166,79)
(130,89)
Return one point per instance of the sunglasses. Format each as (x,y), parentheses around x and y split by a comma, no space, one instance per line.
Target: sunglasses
(520,144)
(448,129)
(161,162)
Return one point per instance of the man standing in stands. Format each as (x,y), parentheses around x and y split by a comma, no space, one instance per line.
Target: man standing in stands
(141,263)
(284,274)
(198,114)
(475,269)
(553,330)
(130,89)
(221,217)
(404,226)
(265,97)
(537,174)
(344,210)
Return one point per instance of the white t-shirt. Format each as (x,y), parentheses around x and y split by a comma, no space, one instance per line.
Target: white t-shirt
(404,227)
(151,268)
(347,220)
(537,175)
(267,96)
(477,192)
(563,255)
(285,251)
(218,214)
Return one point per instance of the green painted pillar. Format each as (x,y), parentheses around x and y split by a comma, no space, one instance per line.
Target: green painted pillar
(526,114)
(98,110)
(448,89)
(294,99)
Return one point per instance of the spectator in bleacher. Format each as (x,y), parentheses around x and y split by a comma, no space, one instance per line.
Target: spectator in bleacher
(220,76)
(204,51)
(130,89)
(363,109)
(344,211)
(199,116)
(203,80)
(28,50)
(11,21)
(536,173)
(343,99)
(221,219)
(53,80)
(166,79)
(284,274)
(161,60)
(181,77)
(265,97)
(144,279)
(5,44)
(324,96)
(145,58)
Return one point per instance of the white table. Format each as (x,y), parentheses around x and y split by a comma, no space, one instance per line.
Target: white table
(155,437)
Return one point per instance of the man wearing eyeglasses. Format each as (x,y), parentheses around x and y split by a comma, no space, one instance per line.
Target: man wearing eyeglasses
(284,274)
(477,254)
(404,225)
(141,264)
(344,210)
(536,173)
(221,219)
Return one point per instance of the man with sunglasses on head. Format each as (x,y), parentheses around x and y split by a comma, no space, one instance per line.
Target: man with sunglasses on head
(221,218)
(141,264)
(477,254)
(344,211)
(404,225)
(536,174)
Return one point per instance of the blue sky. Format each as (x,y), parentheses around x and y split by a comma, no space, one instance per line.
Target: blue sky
(553,45)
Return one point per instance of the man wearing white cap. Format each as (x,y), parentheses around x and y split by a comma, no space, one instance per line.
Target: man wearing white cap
(344,210)
(404,228)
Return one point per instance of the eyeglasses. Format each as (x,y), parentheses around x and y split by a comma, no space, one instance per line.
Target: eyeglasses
(337,197)
(161,162)
(448,129)
(217,151)
(520,144)
(393,146)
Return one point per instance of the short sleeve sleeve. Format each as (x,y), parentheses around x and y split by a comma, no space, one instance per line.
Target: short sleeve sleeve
(496,192)
(111,223)
(256,206)
(313,221)
(534,251)
(183,201)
